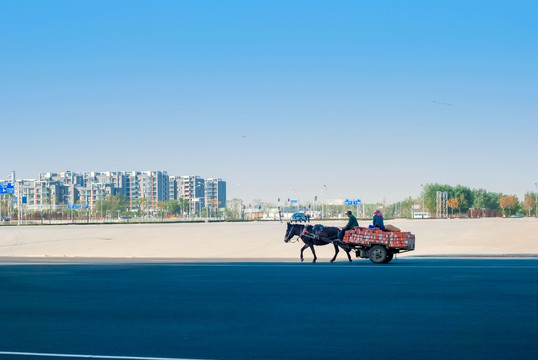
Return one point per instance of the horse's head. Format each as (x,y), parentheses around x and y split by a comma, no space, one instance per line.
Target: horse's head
(293,230)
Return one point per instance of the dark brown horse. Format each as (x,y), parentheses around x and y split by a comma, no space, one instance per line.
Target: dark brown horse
(329,235)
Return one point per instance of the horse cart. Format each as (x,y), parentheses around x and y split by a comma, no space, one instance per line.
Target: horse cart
(374,244)
(377,245)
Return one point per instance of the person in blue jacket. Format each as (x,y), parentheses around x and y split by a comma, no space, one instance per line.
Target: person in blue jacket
(378,220)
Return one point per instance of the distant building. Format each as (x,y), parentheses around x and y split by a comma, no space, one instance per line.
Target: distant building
(173,187)
(154,186)
(215,193)
(68,188)
(421,215)
(192,188)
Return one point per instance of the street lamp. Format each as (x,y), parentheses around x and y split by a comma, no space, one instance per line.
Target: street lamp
(422,199)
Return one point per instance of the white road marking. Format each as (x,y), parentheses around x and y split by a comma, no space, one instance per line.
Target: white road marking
(13,353)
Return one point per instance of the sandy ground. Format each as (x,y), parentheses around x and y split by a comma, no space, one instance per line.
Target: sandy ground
(258,240)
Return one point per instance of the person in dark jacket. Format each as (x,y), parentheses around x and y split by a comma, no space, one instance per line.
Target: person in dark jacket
(378,220)
(352,222)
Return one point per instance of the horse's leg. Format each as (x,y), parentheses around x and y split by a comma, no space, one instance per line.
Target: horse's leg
(348,250)
(313,253)
(303,249)
(336,250)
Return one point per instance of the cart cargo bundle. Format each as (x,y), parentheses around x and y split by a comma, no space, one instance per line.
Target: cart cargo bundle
(377,245)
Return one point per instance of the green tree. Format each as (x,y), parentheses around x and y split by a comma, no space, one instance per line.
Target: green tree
(160,205)
(184,204)
(110,205)
(529,202)
(485,200)
(430,195)
(402,209)
(492,201)
(5,200)
(235,205)
(173,207)
(465,196)
(479,199)
(406,206)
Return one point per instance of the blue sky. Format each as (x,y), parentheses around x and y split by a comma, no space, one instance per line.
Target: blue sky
(278,98)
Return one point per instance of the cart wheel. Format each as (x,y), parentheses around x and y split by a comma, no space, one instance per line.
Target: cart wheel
(389,258)
(378,254)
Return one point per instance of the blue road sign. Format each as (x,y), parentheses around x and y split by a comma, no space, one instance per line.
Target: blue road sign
(352,202)
(7,188)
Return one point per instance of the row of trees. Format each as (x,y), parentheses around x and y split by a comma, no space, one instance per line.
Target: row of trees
(181,207)
(462,199)
(120,204)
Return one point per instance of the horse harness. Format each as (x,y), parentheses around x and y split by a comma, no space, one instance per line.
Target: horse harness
(316,234)
(291,238)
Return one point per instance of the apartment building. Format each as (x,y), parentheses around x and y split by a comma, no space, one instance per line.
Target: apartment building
(173,187)
(132,188)
(69,187)
(154,187)
(192,188)
(215,193)
(43,191)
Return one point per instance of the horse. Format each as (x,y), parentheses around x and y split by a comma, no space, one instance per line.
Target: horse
(329,235)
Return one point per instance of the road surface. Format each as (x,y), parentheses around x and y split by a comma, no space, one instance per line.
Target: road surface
(410,308)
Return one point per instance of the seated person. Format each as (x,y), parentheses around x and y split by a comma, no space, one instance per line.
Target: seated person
(350,225)
(378,220)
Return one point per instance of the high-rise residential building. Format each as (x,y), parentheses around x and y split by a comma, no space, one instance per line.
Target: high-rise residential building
(215,193)
(173,187)
(154,187)
(71,178)
(192,188)
(132,188)
(92,193)
(67,188)
(41,192)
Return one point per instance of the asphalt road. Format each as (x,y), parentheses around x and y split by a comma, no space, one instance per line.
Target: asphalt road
(409,309)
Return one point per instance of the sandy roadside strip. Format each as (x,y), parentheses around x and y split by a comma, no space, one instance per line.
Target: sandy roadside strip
(257,241)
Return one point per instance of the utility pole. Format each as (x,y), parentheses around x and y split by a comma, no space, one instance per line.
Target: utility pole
(18,203)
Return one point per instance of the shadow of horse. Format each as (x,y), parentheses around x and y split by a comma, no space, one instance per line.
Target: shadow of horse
(329,235)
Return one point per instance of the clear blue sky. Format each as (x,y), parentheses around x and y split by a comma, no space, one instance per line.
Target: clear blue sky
(278,98)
